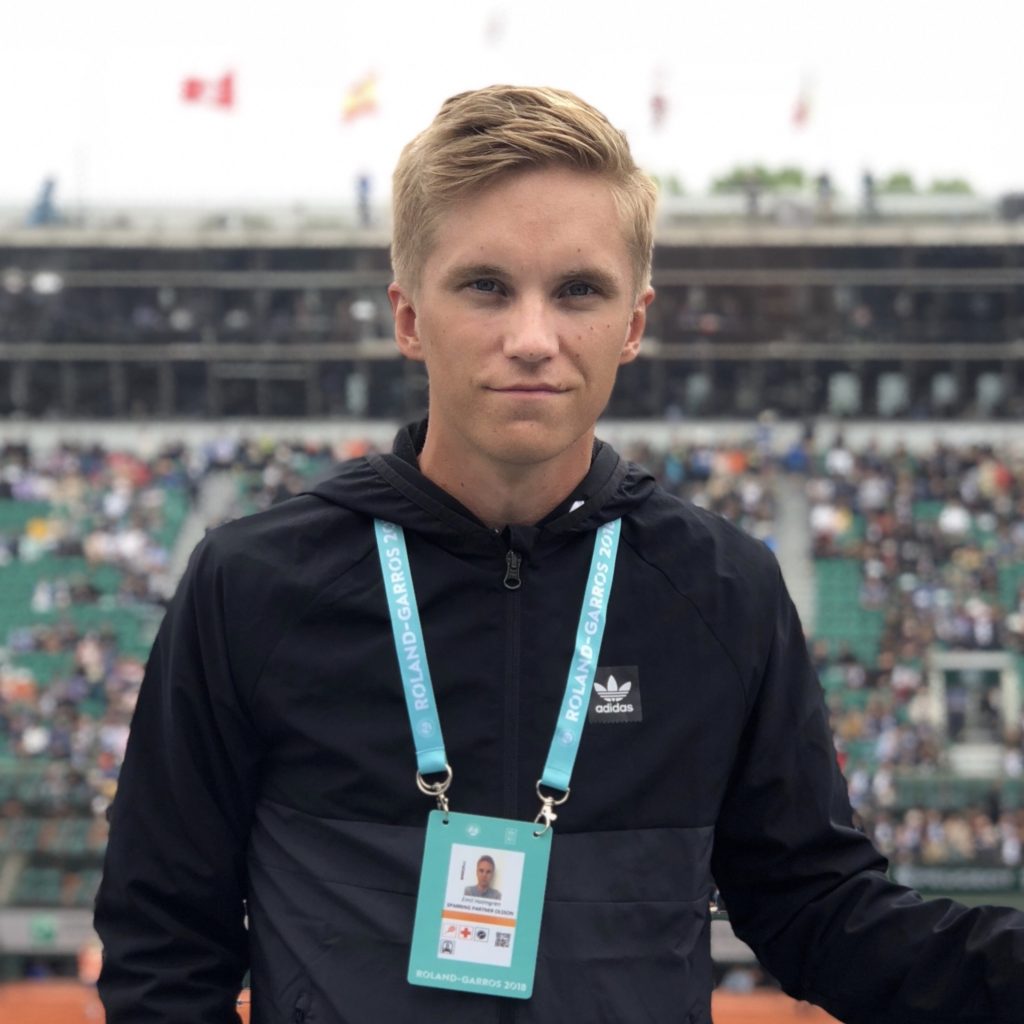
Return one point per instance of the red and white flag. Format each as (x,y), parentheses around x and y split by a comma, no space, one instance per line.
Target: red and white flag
(659,110)
(210,92)
(659,100)
(802,107)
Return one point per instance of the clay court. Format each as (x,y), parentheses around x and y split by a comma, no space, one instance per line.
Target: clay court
(68,1002)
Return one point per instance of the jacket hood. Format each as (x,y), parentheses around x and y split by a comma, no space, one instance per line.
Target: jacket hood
(391,487)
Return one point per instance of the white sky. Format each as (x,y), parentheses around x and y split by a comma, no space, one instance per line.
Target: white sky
(89,89)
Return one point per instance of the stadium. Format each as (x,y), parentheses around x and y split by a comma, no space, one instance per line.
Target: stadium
(840,373)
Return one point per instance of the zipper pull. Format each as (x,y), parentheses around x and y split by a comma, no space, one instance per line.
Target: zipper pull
(513,560)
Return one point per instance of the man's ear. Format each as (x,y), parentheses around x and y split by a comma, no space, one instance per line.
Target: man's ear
(637,322)
(406,334)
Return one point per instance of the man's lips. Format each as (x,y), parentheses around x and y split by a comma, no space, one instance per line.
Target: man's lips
(528,389)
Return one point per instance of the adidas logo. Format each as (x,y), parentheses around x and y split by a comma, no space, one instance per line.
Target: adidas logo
(613,695)
(613,691)
(613,701)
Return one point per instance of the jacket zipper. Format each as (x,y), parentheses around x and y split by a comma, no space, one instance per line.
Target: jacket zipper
(513,562)
(513,581)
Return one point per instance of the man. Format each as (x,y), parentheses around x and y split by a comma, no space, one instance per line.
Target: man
(484,876)
(268,815)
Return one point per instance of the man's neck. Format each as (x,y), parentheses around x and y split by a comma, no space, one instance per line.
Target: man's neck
(507,494)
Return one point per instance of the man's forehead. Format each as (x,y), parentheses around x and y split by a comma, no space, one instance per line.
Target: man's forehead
(556,207)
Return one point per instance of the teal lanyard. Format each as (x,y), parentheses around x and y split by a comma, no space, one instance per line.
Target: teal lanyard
(412,657)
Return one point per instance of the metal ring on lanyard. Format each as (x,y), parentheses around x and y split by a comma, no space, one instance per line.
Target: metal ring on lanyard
(546,812)
(437,789)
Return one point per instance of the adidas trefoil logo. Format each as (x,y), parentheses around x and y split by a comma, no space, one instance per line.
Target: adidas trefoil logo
(613,691)
(613,695)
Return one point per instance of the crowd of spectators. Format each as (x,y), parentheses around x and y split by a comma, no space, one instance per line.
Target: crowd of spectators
(77,719)
(271,471)
(68,680)
(108,511)
(95,538)
(932,533)
(735,481)
(976,837)
(169,314)
(109,508)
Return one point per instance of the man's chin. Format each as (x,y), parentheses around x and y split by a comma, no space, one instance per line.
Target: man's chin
(532,446)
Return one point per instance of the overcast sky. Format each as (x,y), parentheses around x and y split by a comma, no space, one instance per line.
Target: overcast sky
(91,90)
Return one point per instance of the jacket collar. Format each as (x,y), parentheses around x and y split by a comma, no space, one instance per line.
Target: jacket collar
(392,487)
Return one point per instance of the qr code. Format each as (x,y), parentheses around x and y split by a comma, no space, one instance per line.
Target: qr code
(502,938)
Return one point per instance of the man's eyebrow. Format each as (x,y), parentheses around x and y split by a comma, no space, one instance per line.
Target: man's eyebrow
(464,272)
(601,279)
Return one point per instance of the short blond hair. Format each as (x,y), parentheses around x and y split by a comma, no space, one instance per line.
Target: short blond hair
(482,136)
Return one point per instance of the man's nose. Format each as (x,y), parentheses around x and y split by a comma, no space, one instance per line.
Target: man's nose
(531,333)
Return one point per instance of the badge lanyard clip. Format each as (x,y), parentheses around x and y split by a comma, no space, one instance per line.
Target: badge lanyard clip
(546,814)
(437,789)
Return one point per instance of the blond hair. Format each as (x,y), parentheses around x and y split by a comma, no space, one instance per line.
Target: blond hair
(482,136)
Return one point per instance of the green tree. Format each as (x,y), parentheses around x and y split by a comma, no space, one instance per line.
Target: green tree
(789,177)
(741,177)
(674,186)
(899,183)
(766,179)
(951,187)
(669,184)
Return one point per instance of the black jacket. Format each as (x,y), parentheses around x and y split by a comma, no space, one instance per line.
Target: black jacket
(270,762)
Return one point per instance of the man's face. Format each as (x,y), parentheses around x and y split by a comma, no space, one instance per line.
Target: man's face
(484,874)
(525,309)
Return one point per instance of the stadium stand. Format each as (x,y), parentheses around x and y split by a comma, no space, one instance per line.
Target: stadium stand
(911,313)
(86,542)
(916,554)
(907,562)
(86,536)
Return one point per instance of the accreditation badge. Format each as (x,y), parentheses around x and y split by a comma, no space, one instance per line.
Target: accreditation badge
(479,905)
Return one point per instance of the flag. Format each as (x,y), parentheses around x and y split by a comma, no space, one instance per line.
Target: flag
(659,99)
(211,92)
(659,110)
(361,99)
(494,28)
(802,107)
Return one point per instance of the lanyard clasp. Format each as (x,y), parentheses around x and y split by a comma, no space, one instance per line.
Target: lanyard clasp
(437,789)
(546,814)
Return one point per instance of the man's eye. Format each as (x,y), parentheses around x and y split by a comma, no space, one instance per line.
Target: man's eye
(484,284)
(579,289)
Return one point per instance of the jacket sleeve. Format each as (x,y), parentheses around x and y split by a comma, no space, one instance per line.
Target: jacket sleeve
(170,909)
(809,893)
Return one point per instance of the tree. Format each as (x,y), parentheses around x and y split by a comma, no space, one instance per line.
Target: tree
(757,175)
(740,178)
(951,187)
(899,183)
(789,178)
(674,186)
(669,184)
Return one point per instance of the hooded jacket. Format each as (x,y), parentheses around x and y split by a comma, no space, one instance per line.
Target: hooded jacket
(267,814)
